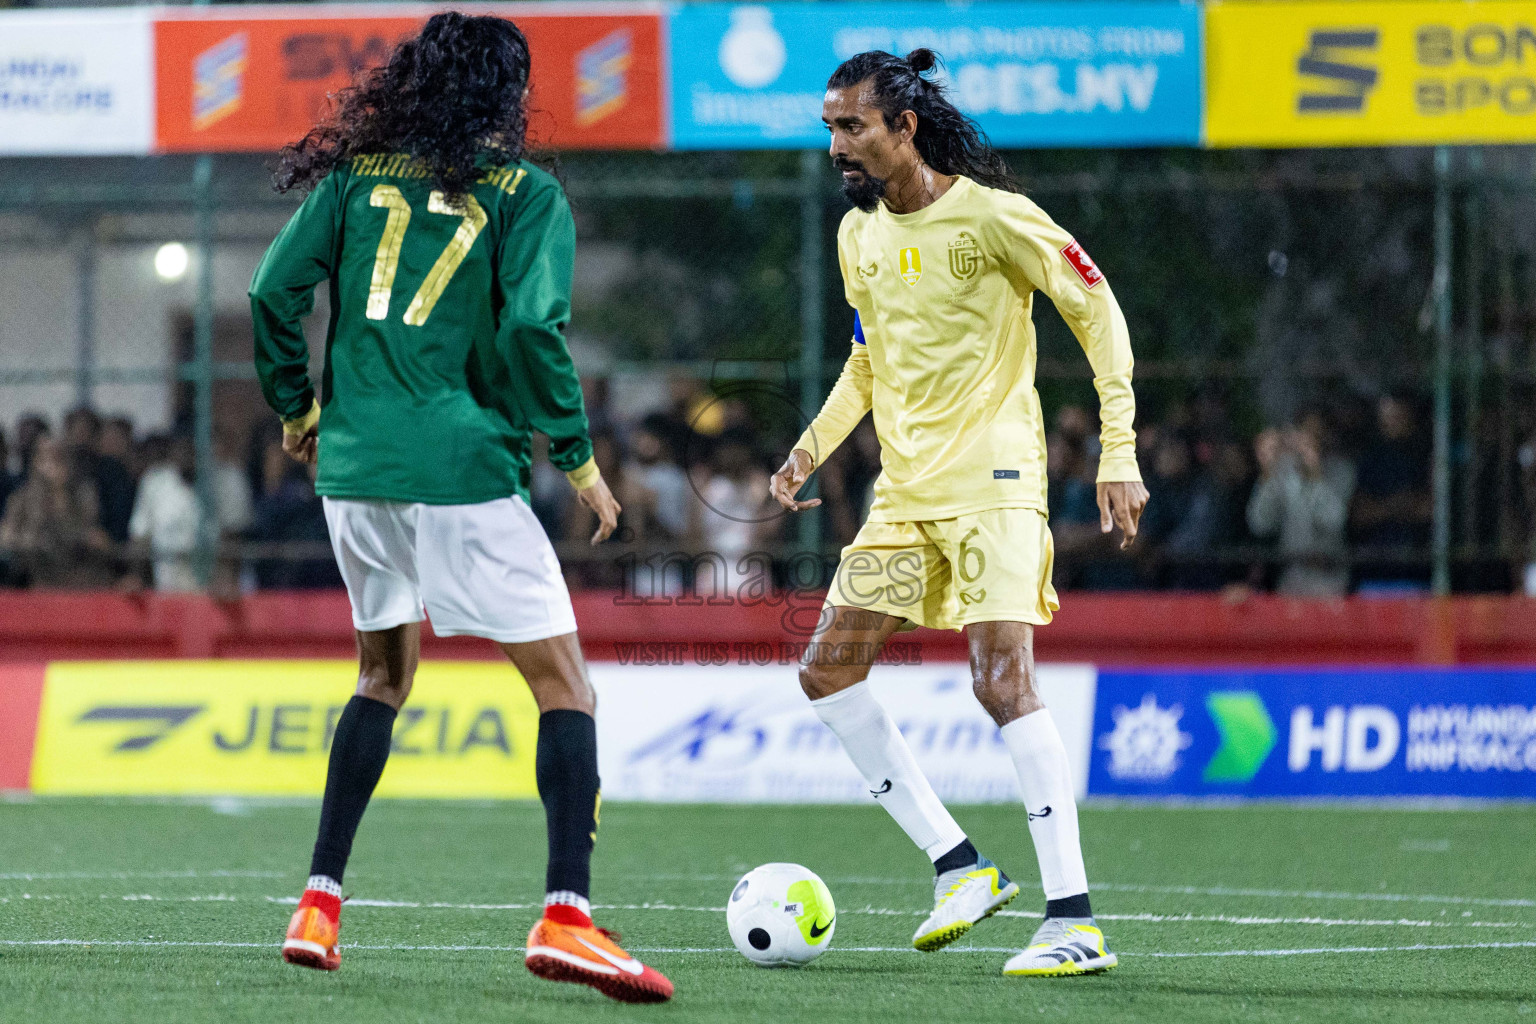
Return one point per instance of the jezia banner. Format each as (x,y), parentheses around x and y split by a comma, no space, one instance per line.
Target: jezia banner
(1301,732)
(264,728)
(1032,74)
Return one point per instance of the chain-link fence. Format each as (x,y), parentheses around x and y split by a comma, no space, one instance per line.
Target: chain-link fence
(1298,321)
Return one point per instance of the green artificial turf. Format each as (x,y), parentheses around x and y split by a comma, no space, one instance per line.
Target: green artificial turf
(156,887)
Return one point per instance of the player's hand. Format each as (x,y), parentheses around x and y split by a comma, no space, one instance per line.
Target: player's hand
(303,447)
(786,483)
(600,499)
(1122,504)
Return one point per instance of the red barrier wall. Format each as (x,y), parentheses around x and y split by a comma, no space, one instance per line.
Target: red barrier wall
(1104,629)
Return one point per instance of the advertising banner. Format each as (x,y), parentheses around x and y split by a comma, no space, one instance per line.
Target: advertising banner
(1347,74)
(747,734)
(256,78)
(264,728)
(75,83)
(1342,732)
(1032,74)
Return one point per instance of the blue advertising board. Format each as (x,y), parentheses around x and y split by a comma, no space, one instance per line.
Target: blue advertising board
(1308,732)
(1032,74)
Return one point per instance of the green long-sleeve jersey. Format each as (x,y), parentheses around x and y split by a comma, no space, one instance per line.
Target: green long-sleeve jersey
(446,344)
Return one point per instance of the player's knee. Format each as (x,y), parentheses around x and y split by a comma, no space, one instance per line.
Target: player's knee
(1004,685)
(377,682)
(820,680)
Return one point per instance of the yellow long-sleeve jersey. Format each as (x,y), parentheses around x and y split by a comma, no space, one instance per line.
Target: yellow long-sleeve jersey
(944,352)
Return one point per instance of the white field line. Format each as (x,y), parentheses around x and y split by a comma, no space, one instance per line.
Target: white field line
(1170,890)
(1309,951)
(51,876)
(1247,920)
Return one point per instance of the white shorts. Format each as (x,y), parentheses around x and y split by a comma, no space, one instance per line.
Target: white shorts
(479,570)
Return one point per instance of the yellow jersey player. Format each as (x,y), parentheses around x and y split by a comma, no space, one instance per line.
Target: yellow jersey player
(941,260)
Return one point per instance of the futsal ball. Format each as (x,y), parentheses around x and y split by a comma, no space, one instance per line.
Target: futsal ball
(781,915)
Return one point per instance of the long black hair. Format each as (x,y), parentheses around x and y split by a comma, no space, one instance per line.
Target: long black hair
(947,140)
(453,97)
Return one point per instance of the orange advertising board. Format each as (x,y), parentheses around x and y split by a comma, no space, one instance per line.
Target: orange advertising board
(259,78)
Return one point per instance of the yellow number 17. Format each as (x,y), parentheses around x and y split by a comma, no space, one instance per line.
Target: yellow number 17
(472,220)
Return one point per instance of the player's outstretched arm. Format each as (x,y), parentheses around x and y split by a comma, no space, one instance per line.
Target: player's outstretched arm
(535,266)
(1046,257)
(840,413)
(282,294)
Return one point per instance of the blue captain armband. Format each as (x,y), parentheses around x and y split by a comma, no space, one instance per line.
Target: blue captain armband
(858,328)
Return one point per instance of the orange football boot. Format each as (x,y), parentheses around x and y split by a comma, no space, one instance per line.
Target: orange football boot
(314,936)
(591,956)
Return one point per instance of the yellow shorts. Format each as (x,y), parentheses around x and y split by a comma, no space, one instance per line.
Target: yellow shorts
(992,566)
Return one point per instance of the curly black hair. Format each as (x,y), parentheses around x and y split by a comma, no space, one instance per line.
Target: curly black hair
(454,97)
(946,139)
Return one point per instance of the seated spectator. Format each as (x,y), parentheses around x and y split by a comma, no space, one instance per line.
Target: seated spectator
(289,513)
(52,528)
(29,429)
(652,465)
(1302,500)
(8,481)
(637,520)
(1087,558)
(113,481)
(731,516)
(1393,507)
(167,518)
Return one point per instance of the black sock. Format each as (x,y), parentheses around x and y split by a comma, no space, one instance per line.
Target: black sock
(566,768)
(358,754)
(1069,906)
(962,856)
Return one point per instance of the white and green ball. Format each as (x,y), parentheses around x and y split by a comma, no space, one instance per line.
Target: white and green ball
(781,915)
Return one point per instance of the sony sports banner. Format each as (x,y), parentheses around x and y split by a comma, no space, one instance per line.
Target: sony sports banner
(1032,74)
(76,82)
(256,78)
(1314,732)
(1370,73)
(747,734)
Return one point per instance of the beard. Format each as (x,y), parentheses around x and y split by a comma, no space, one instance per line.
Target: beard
(865,191)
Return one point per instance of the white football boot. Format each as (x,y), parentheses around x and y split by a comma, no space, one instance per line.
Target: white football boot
(1063,946)
(961,898)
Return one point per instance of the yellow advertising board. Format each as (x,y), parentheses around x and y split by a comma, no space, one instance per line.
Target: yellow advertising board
(1370,74)
(264,728)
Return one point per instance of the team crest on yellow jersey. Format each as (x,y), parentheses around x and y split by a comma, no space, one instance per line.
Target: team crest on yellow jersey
(911,265)
(964,256)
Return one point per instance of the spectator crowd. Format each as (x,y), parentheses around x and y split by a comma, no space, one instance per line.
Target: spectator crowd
(1335,502)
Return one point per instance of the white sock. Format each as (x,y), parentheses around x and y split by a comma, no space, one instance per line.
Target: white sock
(323,883)
(567,898)
(1046,781)
(882,756)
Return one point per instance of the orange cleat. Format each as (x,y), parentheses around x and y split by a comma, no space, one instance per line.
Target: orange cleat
(591,956)
(314,936)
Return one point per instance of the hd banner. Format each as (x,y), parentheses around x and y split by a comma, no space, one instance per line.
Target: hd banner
(1370,73)
(1032,74)
(1316,733)
(257,78)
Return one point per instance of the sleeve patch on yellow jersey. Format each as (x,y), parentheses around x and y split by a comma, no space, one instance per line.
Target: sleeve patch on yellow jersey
(1081,262)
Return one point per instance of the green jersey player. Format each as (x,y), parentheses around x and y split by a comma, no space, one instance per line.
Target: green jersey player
(449,258)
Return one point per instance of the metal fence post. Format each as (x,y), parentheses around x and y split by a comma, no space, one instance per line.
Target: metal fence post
(812,318)
(202,365)
(1441,579)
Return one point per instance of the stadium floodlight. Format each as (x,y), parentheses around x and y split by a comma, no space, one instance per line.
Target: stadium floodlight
(171,261)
